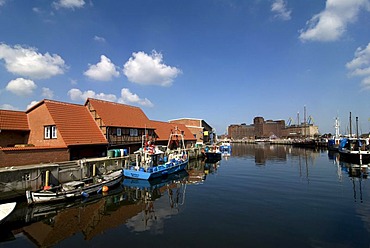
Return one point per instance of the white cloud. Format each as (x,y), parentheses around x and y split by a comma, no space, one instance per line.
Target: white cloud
(69,4)
(128,98)
(33,103)
(29,63)
(281,10)
(78,95)
(102,71)
(148,69)
(331,23)
(360,65)
(8,107)
(47,93)
(2,2)
(99,39)
(21,87)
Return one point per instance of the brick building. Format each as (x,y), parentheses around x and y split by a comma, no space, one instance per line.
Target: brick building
(269,128)
(201,130)
(53,131)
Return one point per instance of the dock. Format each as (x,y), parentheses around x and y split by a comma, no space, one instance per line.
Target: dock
(15,180)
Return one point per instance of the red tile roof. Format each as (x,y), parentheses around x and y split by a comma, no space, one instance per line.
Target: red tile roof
(74,123)
(119,115)
(163,130)
(13,120)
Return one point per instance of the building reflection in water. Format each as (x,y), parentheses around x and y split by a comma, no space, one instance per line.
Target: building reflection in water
(264,152)
(132,203)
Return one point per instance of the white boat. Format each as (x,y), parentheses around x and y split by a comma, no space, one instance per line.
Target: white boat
(74,189)
(6,209)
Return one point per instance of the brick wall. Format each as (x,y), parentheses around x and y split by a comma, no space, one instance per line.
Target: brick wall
(11,138)
(38,119)
(29,156)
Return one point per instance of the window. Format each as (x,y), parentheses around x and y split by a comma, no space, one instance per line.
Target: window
(133,132)
(50,132)
(53,132)
(119,132)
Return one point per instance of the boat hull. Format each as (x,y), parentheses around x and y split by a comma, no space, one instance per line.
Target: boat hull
(44,196)
(158,171)
(213,156)
(355,157)
(6,209)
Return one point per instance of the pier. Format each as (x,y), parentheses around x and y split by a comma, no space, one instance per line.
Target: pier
(15,180)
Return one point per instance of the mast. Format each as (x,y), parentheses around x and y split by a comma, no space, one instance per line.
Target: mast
(304,122)
(357,128)
(336,127)
(350,124)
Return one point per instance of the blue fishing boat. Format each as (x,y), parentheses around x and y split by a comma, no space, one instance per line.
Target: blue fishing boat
(151,162)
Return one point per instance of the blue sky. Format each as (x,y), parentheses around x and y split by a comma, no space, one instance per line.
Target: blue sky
(224,61)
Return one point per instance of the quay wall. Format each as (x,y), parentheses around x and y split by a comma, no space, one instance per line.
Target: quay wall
(15,180)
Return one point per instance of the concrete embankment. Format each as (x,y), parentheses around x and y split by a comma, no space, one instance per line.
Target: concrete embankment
(15,180)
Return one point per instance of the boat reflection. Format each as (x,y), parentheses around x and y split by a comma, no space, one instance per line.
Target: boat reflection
(158,200)
(199,169)
(48,224)
(358,174)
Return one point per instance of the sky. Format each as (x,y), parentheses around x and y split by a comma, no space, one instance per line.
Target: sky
(223,61)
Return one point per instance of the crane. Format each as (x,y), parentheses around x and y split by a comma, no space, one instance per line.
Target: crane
(290,121)
(310,120)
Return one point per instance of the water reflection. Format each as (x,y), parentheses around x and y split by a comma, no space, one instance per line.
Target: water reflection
(133,203)
(139,204)
(357,174)
(273,153)
(263,188)
(159,199)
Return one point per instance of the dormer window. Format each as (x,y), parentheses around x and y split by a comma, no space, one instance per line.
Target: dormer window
(50,132)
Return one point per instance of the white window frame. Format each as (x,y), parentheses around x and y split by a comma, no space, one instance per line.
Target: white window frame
(133,132)
(119,131)
(54,132)
(50,132)
(47,132)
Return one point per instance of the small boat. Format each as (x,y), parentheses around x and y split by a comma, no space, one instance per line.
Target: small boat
(6,209)
(225,147)
(212,154)
(74,189)
(151,162)
(355,150)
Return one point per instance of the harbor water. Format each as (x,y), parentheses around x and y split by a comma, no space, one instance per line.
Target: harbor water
(260,196)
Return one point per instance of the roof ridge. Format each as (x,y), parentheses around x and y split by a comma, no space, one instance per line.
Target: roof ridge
(110,102)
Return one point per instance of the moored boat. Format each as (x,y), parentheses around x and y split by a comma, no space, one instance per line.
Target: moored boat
(74,189)
(355,150)
(151,162)
(225,147)
(6,209)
